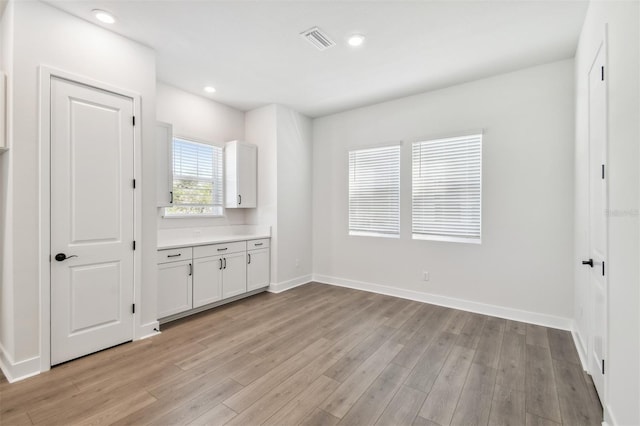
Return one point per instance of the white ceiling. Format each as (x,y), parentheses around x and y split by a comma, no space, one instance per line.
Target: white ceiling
(251,51)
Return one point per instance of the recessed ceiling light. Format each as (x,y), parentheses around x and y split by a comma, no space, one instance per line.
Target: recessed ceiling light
(103,16)
(209,89)
(356,40)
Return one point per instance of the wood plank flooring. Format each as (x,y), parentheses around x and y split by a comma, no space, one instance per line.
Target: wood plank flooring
(319,355)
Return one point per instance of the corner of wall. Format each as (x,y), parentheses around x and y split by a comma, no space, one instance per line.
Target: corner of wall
(15,371)
(147,330)
(578,342)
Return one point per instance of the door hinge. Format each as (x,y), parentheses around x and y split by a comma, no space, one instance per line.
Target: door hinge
(602,73)
(603,366)
(133,120)
(133,308)
(603,171)
(603,268)
(134,184)
(134,245)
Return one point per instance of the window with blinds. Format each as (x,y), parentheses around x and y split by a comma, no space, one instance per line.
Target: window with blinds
(446,191)
(197,179)
(374,191)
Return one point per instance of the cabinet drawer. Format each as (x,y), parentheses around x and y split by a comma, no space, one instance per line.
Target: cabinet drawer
(174,255)
(258,244)
(219,249)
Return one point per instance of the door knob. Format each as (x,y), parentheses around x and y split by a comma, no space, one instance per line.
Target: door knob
(588,262)
(61,256)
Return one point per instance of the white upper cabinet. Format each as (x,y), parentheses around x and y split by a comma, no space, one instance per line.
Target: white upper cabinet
(241,162)
(164,158)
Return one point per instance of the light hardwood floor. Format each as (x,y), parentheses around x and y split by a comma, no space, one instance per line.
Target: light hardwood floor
(319,355)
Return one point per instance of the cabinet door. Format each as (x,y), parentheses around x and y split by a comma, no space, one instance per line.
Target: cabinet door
(241,186)
(247,175)
(258,269)
(207,280)
(231,175)
(174,288)
(234,275)
(164,166)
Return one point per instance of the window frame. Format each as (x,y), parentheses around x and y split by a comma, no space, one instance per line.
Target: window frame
(449,238)
(222,210)
(360,233)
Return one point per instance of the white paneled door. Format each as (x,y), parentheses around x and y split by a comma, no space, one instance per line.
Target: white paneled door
(598,220)
(92,218)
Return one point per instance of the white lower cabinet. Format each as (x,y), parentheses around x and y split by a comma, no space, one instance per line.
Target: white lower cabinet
(189,278)
(234,275)
(257,269)
(207,280)
(174,288)
(218,277)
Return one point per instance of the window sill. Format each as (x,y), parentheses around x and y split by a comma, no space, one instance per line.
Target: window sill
(446,239)
(371,234)
(194,216)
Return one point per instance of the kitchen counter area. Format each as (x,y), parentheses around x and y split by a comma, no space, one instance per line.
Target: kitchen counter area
(190,237)
(201,268)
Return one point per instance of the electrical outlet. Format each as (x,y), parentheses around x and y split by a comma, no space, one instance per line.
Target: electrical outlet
(425,275)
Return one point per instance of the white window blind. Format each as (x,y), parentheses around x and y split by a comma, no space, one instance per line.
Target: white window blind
(197,179)
(374,191)
(446,192)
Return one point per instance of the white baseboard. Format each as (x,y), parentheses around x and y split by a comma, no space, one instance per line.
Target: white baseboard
(15,371)
(450,302)
(609,419)
(580,347)
(147,330)
(289,284)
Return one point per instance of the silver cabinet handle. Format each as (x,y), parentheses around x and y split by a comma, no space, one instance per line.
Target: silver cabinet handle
(174,255)
(249,258)
(190,269)
(223,249)
(258,244)
(225,263)
(239,199)
(171,197)
(220,264)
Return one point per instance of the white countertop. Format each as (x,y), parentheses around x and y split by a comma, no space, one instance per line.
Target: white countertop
(188,237)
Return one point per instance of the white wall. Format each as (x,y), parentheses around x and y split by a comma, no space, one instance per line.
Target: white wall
(294,197)
(45,35)
(6,232)
(205,120)
(525,260)
(261,130)
(622,387)
(283,137)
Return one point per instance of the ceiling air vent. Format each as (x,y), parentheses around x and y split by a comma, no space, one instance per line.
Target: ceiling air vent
(319,39)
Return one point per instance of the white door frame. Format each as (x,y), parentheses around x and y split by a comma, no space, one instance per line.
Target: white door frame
(44,190)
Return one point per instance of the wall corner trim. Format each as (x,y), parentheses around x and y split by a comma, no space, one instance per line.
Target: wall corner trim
(577,341)
(609,419)
(289,284)
(450,302)
(16,371)
(147,330)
